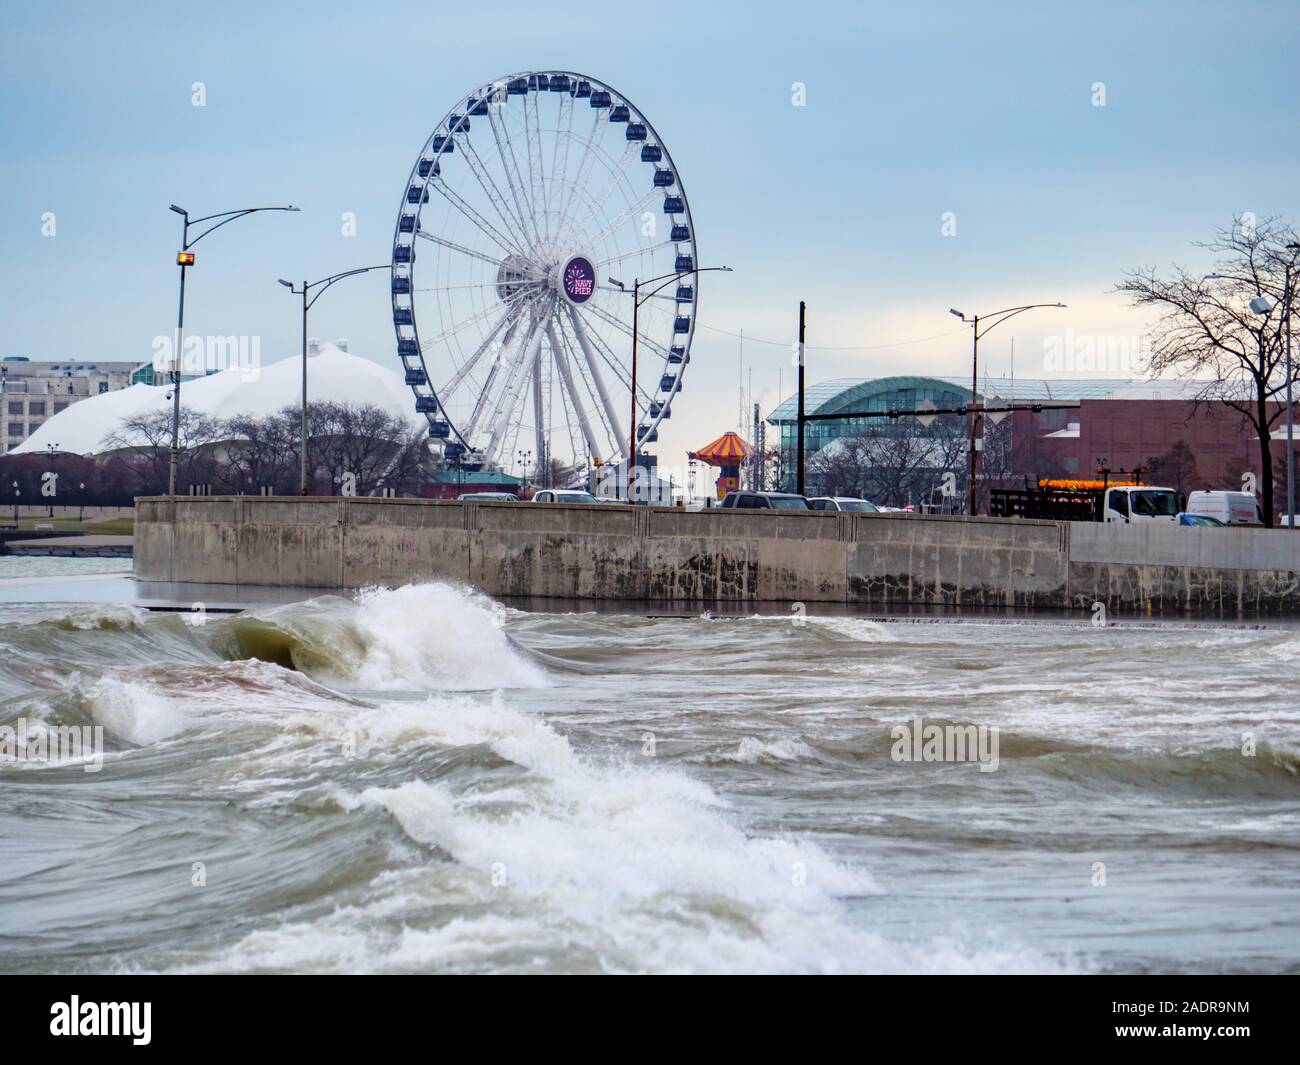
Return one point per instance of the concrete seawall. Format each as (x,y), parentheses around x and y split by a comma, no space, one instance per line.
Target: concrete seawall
(664,554)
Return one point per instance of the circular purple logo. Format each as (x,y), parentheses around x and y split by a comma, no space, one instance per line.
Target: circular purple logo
(579,279)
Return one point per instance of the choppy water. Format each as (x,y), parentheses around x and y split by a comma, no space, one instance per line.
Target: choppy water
(422,780)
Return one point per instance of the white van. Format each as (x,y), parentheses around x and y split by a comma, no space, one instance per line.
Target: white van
(1231,508)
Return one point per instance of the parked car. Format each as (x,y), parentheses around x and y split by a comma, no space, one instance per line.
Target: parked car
(764,501)
(852,503)
(505,496)
(1199,519)
(563,495)
(1231,508)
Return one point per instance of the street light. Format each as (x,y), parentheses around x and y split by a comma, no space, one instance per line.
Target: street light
(637,300)
(998,317)
(185,259)
(51,450)
(306,306)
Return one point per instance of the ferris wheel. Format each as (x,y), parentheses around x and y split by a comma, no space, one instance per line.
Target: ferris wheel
(535,204)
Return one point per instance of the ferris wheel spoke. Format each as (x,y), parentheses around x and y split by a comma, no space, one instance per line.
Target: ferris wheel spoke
(508,163)
(623,326)
(507,359)
(658,297)
(539,427)
(506,244)
(511,316)
(513,391)
(481,284)
(563,221)
(536,171)
(456,327)
(516,225)
(426,235)
(618,173)
(566,378)
(560,169)
(622,219)
(481,401)
(647,248)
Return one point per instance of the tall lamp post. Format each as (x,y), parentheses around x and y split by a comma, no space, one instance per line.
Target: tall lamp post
(51,450)
(185,259)
(637,300)
(307,286)
(987,321)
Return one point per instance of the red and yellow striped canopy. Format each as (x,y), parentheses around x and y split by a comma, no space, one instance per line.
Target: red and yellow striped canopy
(728,450)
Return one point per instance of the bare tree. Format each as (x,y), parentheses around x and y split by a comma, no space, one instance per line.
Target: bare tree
(1175,468)
(376,447)
(262,453)
(1207,326)
(892,462)
(247,453)
(148,436)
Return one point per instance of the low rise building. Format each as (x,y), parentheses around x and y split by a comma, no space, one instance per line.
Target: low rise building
(31,392)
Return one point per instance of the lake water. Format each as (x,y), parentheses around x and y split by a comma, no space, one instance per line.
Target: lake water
(421,779)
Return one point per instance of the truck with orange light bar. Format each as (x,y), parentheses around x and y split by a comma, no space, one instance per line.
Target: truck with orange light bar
(1062,500)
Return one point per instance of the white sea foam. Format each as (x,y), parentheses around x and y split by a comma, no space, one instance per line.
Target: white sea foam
(644,868)
(862,630)
(435,636)
(134,711)
(754,751)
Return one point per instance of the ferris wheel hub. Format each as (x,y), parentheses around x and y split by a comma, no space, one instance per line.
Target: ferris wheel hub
(574,278)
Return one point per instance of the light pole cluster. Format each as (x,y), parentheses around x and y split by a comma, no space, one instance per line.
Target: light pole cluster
(988,321)
(185,259)
(304,292)
(637,301)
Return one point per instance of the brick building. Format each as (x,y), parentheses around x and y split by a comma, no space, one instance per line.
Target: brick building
(1117,423)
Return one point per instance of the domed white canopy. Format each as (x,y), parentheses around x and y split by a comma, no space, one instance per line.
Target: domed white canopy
(333,375)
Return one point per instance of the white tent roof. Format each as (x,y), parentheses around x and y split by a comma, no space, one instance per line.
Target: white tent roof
(332,375)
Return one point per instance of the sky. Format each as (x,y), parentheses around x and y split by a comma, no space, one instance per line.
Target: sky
(939,156)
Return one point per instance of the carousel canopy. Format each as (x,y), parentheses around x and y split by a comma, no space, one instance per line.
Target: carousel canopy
(728,450)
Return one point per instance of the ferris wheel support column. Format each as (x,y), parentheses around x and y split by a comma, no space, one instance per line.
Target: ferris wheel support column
(615,426)
(566,376)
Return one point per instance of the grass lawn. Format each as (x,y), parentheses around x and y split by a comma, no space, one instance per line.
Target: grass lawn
(117,526)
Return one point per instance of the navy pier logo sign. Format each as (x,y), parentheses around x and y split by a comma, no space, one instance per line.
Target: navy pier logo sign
(579,279)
